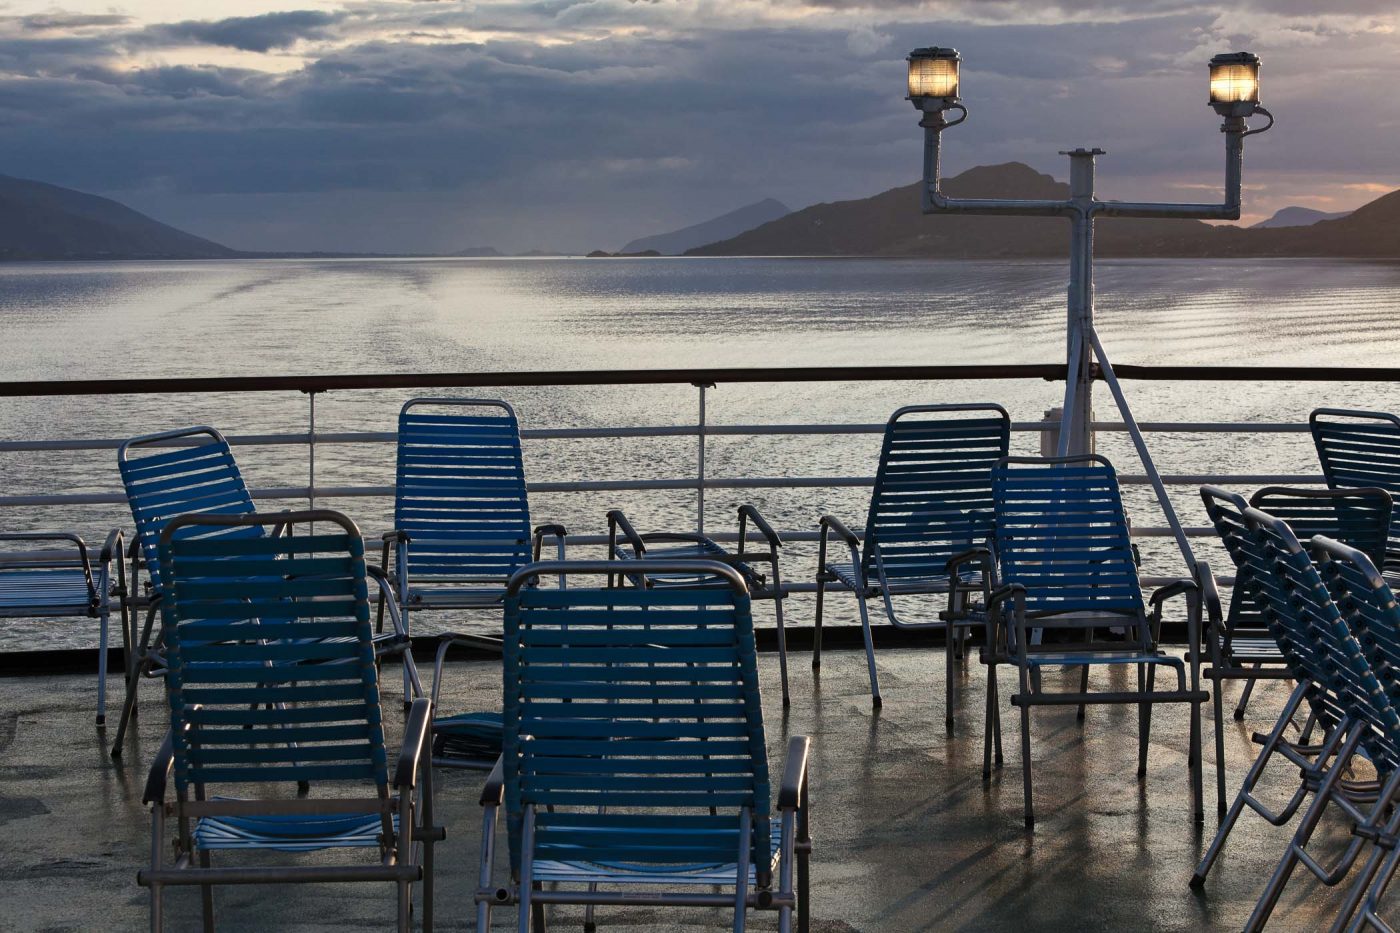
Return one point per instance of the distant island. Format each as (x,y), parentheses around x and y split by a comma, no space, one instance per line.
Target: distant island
(49,222)
(891,224)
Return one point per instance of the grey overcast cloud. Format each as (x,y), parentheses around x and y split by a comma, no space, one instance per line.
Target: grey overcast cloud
(393,125)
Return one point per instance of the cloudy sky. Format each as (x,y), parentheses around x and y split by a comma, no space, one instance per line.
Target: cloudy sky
(429,125)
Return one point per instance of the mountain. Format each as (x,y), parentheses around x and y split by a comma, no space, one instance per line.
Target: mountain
(1297,217)
(477,252)
(890,224)
(42,221)
(719,228)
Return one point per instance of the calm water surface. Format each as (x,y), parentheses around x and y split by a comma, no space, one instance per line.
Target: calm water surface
(87,320)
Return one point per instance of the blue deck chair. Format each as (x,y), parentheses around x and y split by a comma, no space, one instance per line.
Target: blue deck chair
(1361,449)
(199,477)
(635,756)
(1241,646)
(1067,564)
(1300,604)
(61,580)
(624,543)
(273,679)
(930,518)
(1273,634)
(461,528)
(1367,604)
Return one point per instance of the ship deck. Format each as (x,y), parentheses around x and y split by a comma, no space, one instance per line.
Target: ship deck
(907,835)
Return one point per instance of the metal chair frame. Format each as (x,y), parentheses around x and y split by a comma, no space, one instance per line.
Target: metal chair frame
(1312,692)
(1312,628)
(665,680)
(624,543)
(1084,581)
(927,489)
(1241,646)
(252,701)
(65,583)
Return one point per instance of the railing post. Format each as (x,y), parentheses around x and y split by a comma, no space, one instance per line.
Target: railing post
(700,460)
(311,447)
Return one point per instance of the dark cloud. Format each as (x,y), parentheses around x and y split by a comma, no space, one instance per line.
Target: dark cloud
(248,33)
(583,124)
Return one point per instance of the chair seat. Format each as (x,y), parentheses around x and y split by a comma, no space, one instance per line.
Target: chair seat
(290,833)
(703,549)
(1078,657)
(47,591)
(580,872)
(845,574)
(1252,649)
(465,596)
(468,740)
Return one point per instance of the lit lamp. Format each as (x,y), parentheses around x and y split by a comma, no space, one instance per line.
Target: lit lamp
(933,79)
(1234,84)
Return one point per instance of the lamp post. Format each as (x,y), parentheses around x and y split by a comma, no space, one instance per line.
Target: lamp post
(934,79)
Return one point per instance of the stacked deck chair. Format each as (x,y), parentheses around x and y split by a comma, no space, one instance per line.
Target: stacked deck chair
(1241,646)
(1361,449)
(273,681)
(1067,564)
(926,532)
(197,475)
(1286,632)
(1344,675)
(624,543)
(461,528)
(51,574)
(635,767)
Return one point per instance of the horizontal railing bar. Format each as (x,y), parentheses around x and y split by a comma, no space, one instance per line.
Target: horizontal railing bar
(590,377)
(682,430)
(324,383)
(622,485)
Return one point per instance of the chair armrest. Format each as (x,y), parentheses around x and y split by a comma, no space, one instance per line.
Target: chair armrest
(833,524)
(447,640)
(161,767)
(750,512)
(793,792)
(493,792)
(1210,594)
(1174,588)
(112,547)
(551,530)
(617,521)
(981,554)
(415,740)
(394,537)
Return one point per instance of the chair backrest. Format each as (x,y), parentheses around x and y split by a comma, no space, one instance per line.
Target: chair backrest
(271,662)
(163,482)
(1360,449)
(1366,604)
(460,493)
(933,490)
(633,721)
(1061,533)
(1301,607)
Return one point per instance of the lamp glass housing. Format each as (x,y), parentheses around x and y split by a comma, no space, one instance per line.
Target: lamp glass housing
(1234,79)
(933,73)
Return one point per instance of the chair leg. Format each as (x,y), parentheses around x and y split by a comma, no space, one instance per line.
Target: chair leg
(782,636)
(1026,763)
(1220,805)
(133,682)
(103,619)
(817,625)
(206,896)
(1244,696)
(1083,688)
(405,899)
(1197,766)
(869,650)
(951,636)
(537,924)
(157,908)
(1274,889)
(1146,681)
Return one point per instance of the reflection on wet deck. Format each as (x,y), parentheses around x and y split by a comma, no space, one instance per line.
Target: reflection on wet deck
(907,835)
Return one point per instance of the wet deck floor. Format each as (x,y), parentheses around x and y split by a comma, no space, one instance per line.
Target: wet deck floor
(907,835)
